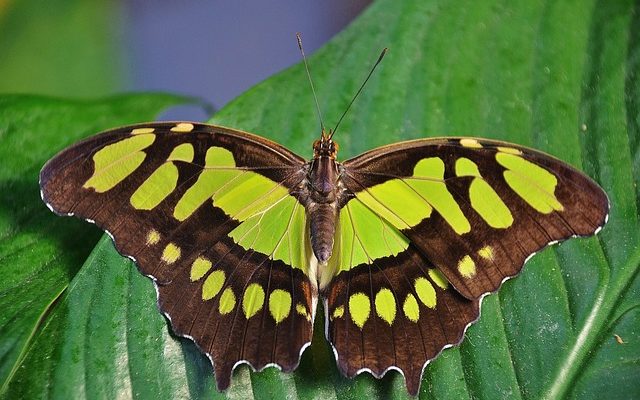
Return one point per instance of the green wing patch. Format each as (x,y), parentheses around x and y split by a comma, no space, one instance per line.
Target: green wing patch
(277,230)
(365,236)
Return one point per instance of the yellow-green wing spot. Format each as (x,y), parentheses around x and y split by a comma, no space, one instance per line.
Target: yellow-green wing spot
(139,131)
(425,291)
(159,185)
(410,308)
(467,267)
(486,252)
(183,152)
(253,300)
(213,284)
(227,301)
(153,237)
(171,253)
(509,150)
(359,308)
(302,310)
(405,202)
(484,199)
(364,236)
(280,305)
(469,142)
(114,162)
(182,127)
(162,181)
(531,182)
(338,312)
(385,304)
(438,278)
(199,268)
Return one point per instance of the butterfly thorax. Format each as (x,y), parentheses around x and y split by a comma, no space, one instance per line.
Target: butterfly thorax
(323,172)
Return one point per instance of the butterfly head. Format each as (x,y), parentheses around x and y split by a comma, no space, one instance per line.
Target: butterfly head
(325,146)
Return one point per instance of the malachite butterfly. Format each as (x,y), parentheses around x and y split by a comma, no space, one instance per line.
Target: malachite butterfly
(241,237)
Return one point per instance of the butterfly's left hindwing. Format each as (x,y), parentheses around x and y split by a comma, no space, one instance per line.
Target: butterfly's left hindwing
(394,312)
(207,213)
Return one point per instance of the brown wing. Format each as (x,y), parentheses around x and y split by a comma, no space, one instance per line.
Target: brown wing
(172,195)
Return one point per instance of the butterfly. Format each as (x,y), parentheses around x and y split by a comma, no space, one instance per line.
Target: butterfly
(242,237)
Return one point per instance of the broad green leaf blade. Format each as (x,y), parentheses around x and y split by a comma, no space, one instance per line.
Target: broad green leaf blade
(41,252)
(560,77)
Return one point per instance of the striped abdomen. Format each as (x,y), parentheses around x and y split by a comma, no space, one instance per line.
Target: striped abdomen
(322,226)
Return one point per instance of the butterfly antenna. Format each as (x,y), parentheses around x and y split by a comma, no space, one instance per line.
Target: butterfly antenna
(384,51)
(313,89)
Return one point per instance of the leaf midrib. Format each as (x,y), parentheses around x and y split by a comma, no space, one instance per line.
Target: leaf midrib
(609,294)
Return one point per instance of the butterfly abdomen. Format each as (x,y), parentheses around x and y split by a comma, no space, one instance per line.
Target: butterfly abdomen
(322,223)
(321,205)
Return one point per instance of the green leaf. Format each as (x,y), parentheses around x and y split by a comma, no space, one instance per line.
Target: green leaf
(41,253)
(558,76)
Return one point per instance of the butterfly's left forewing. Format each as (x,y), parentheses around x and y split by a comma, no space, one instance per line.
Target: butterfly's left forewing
(476,208)
(207,213)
